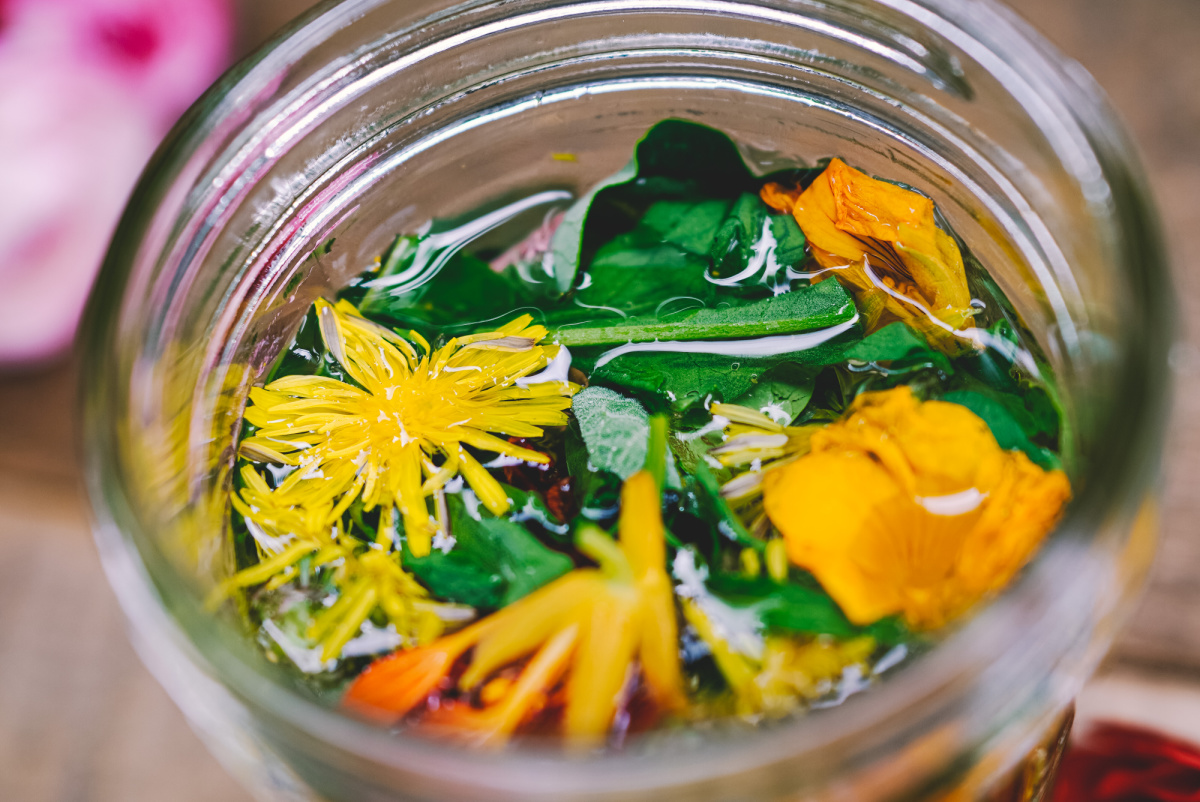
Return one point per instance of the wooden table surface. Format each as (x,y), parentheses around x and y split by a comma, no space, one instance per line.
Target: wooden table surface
(82,721)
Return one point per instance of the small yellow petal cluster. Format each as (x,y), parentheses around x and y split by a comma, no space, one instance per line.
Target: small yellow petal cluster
(396,435)
(884,244)
(298,528)
(586,630)
(910,507)
(788,672)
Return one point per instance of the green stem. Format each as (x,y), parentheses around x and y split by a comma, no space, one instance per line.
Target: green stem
(657,451)
(802,309)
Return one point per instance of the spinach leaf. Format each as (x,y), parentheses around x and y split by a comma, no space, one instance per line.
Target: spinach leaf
(636,277)
(792,607)
(994,371)
(415,261)
(689,225)
(493,562)
(567,243)
(896,343)
(675,158)
(802,309)
(686,380)
(696,251)
(751,235)
(464,295)
(781,393)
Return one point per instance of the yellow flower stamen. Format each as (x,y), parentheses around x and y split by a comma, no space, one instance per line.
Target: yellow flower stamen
(400,430)
(755,440)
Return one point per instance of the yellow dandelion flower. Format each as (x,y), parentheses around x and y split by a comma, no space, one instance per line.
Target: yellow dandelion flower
(404,421)
(370,579)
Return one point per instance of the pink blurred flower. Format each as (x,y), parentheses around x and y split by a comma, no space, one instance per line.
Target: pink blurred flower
(87,88)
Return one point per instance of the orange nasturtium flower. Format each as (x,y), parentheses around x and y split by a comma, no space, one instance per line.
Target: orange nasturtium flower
(586,631)
(910,507)
(408,408)
(884,244)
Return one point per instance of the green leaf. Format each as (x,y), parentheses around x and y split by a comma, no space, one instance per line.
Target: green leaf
(567,243)
(689,225)
(664,257)
(782,392)
(994,372)
(718,510)
(494,561)
(896,342)
(742,240)
(687,380)
(636,277)
(459,578)
(616,432)
(415,265)
(675,157)
(1005,428)
(805,308)
(792,607)
(466,293)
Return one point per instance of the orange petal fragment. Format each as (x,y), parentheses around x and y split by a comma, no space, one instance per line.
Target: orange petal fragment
(868,207)
(392,686)
(494,724)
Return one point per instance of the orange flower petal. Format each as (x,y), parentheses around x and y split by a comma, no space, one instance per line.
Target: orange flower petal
(911,507)
(816,212)
(884,243)
(392,686)
(822,503)
(868,207)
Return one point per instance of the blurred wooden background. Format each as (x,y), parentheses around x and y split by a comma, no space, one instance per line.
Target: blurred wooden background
(82,721)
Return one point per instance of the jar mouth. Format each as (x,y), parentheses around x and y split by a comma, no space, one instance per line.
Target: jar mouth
(996,666)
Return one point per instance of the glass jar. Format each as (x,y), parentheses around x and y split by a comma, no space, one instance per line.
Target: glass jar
(372,116)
